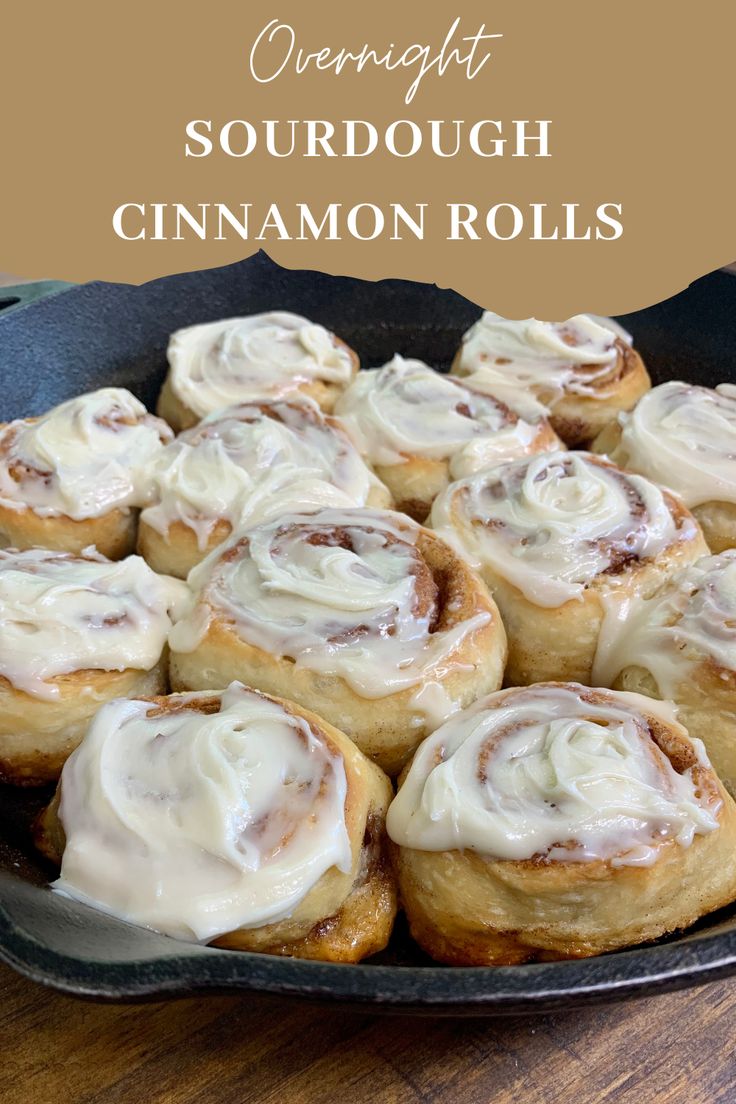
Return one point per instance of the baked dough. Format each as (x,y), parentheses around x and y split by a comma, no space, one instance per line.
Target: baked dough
(74,633)
(360,615)
(555,821)
(685,437)
(583,372)
(270,838)
(420,429)
(251,461)
(75,476)
(262,356)
(680,644)
(557,538)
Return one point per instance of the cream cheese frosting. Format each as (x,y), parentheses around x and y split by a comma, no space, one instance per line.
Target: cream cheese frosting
(82,459)
(234,360)
(342,592)
(552,771)
(547,359)
(685,437)
(691,619)
(61,613)
(406,409)
(550,524)
(199,823)
(250,460)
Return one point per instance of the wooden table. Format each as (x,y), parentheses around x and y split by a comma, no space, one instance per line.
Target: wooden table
(677,1048)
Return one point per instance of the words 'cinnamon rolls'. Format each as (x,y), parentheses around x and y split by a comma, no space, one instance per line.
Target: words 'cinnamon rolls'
(361,615)
(262,356)
(256,459)
(680,644)
(582,371)
(74,632)
(74,477)
(232,818)
(552,536)
(556,821)
(685,437)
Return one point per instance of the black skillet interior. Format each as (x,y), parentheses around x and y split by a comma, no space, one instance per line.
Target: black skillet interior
(100,334)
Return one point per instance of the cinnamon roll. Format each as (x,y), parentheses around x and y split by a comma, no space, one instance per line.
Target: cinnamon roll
(254,459)
(555,821)
(262,356)
(680,644)
(419,429)
(553,536)
(230,818)
(75,476)
(75,631)
(582,371)
(685,437)
(360,615)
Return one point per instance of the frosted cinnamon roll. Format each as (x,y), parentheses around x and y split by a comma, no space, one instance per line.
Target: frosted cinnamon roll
(262,356)
(360,615)
(582,371)
(75,476)
(555,821)
(419,429)
(685,437)
(680,644)
(553,536)
(254,459)
(229,818)
(75,631)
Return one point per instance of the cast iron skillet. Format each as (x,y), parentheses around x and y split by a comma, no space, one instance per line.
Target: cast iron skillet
(81,338)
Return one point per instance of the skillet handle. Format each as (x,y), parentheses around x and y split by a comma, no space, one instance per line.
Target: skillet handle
(13,297)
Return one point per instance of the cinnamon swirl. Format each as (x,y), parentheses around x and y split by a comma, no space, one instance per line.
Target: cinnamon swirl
(680,644)
(685,437)
(582,371)
(555,821)
(419,429)
(254,459)
(262,356)
(75,631)
(360,615)
(553,536)
(230,818)
(74,477)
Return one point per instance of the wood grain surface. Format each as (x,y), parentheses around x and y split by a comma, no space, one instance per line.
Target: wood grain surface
(675,1049)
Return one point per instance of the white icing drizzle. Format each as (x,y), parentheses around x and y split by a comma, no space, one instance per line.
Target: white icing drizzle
(547,359)
(61,613)
(219,364)
(341,592)
(196,825)
(253,457)
(552,771)
(83,458)
(685,437)
(406,409)
(692,618)
(553,523)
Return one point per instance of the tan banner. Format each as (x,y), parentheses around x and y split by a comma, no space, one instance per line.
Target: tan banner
(538,157)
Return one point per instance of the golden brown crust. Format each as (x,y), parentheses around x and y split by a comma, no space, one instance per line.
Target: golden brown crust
(716,519)
(386,729)
(171,408)
(465,909)
(346,916)
(113,534)
(578,419)
(37,735)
